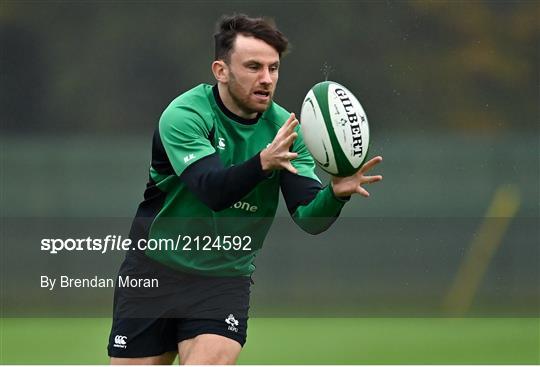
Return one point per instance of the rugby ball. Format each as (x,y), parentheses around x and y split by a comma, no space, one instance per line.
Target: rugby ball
(335,128)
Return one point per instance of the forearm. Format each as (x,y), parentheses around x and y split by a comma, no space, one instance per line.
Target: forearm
(312,207)
(320,213)
(219,187)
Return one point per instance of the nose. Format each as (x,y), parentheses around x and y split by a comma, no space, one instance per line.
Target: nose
(265,77)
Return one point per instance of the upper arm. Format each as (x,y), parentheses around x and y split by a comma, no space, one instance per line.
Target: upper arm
(185,137)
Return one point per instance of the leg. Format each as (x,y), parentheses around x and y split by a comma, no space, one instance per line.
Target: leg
(164,359)
(142,341)
(139,335)
(209,349)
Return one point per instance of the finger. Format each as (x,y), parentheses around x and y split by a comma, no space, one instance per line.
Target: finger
(289,122)
(360,190)
(290,156)
(287,128)
(370,164)
(291,118)
(290,128)
(371,179)
(289,167)
(289,139)
(293,125)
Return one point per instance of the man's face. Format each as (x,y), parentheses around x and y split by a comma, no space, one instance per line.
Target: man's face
(252,75)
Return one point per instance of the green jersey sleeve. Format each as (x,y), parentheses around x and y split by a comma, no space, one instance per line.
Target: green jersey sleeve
(319,214)
(322,210)
(185,136)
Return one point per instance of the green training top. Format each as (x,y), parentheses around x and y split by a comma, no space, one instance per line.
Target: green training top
(221,243)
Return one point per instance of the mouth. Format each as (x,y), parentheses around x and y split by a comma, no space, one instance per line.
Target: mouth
(262,95)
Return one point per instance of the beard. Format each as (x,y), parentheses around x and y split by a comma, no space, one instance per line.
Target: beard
(243,98)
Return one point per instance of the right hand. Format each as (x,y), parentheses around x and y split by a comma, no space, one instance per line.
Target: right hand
(277,155)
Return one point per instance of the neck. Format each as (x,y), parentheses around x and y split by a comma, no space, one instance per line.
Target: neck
(231,105)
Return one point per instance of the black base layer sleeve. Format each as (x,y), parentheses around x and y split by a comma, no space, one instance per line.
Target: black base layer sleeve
(219,187)
(297,190)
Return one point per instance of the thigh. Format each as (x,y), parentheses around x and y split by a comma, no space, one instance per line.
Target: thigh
(219,330)
(149,325)
(209,349)
(139,327)
(229,327)
(139,338)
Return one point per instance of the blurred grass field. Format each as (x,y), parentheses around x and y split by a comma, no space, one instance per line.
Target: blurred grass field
(303,341)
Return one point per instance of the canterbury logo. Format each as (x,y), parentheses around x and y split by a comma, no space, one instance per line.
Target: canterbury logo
(221,143)
(120,341)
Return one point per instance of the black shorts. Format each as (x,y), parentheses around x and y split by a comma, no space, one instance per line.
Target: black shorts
(149,321)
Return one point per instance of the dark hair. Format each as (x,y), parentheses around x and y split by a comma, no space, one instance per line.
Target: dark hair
(262,28)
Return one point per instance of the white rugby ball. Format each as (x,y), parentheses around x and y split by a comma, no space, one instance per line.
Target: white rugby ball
(335,128)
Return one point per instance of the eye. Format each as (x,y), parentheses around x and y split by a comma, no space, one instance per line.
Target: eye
(253,67)
(274,68)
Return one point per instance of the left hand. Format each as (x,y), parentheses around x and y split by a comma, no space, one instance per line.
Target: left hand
(346,186)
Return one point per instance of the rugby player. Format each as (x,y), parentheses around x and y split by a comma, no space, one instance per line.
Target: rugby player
(220,156)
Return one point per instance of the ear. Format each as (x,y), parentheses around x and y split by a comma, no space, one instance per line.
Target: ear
(220,71)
